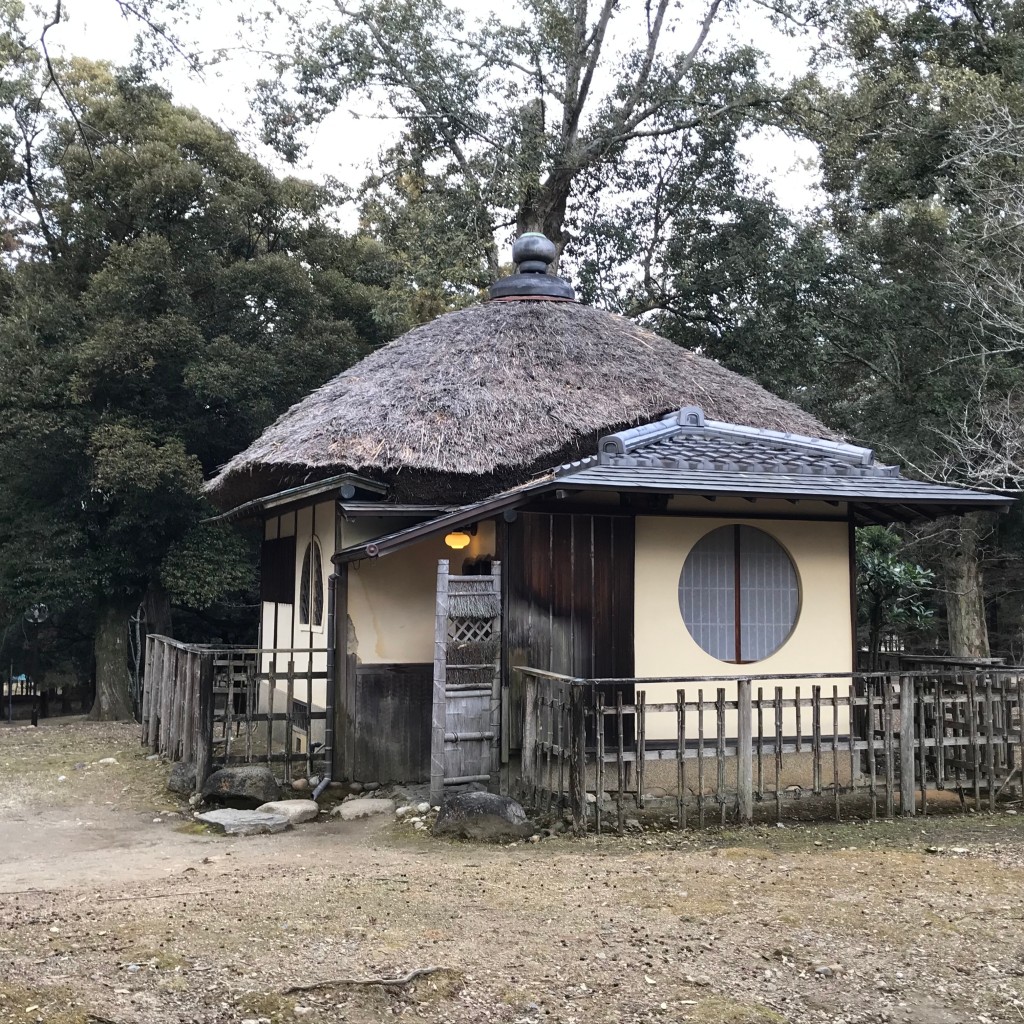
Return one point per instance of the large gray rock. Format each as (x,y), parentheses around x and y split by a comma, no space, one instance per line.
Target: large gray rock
(234,822)
(244,785)
(364,807)
(296,811)
(485,816)
(182,779)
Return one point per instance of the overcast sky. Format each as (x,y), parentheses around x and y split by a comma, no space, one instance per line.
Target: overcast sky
(346,145)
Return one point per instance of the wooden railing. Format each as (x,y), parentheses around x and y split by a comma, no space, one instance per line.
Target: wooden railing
(888,738)
(230,705)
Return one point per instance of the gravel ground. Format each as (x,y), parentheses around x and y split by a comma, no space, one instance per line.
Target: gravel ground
(114,910)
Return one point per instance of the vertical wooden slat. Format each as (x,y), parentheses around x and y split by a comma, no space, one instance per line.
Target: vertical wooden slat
(188,711)
(529,691)
(641,745)
(147,695)
(835,747)
(497,723)
(700,758)
(720,753)
(760,744)
(990,753)
(869,691)
(439,711)
(907,787)
(890,752)
(620,764)
(744,753)
(599,767)
(851,733)
(816,739)
(799,721)
(289,722)
(578,759)
(271,694)
(249,669)
(229,715)
(922,764)
(972,726)
(204,748)
(778,752)
(681,758)
(940,733)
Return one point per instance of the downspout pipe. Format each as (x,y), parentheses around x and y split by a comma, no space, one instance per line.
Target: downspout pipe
(332,636)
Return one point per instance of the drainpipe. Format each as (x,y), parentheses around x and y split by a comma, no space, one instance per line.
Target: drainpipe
(332,586)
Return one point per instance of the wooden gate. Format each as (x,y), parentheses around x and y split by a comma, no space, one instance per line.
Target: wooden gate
(465,735)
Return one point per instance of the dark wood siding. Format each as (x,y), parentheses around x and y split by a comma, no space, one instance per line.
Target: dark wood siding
(277,570)
(391,733)
(569,594)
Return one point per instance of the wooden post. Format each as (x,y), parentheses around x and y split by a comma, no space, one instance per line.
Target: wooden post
(204,745)
(527,766)
(187,717)
(497,726)
(641,745)
(439,710)
(289,721)
(146,691)
(577,760)
(744,753)
(907,781)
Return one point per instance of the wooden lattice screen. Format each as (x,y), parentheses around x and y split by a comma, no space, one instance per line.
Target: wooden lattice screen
(466,723)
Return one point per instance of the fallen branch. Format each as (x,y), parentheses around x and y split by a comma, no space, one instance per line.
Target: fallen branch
(402,979)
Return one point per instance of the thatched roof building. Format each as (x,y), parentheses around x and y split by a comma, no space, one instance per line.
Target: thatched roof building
(485,397)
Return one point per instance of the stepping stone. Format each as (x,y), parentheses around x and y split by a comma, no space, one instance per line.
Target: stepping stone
(296,811)
(244,823)
(364,807)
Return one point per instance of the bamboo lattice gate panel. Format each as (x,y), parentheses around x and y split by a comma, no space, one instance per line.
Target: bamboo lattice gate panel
(887,740)
(466,713)
(229,705)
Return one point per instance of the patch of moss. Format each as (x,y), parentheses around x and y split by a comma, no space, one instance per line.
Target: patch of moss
(267,1004)
(719,1010)
(53,1005)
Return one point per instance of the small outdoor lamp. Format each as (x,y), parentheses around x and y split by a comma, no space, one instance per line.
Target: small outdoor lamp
(457,540)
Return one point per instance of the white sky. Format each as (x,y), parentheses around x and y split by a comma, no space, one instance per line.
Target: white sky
(345,146)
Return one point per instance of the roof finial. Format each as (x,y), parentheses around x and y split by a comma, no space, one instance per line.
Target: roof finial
(533,254)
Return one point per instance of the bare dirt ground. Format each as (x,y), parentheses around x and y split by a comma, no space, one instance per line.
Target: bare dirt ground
(107,915)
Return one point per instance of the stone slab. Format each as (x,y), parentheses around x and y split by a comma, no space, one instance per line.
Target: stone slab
(296,811)
(244,823)
(364,807)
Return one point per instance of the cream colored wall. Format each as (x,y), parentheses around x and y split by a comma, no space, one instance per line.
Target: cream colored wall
(820,642)
(391,599)
(309,642)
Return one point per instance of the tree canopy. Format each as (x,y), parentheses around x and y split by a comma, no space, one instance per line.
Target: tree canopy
(166,297)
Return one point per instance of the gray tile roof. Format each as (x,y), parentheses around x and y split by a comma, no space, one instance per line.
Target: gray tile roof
(685,453)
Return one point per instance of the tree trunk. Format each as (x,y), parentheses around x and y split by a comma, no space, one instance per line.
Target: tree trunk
(965,595)
(113,693)
(157,606)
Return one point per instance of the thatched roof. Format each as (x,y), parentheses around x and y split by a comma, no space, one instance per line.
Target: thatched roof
(482,398)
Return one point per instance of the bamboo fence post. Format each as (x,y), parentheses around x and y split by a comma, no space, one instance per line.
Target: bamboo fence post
(439,711)
(907,786)
(309,713)
(799,712)
(851,735)
(229,715)
(744,753)
(271,692)
(940,735)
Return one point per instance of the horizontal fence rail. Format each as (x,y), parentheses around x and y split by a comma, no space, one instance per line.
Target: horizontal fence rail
(733,753)
(217,706)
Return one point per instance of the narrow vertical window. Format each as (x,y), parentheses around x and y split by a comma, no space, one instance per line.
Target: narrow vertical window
(738,594)
(311,586)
